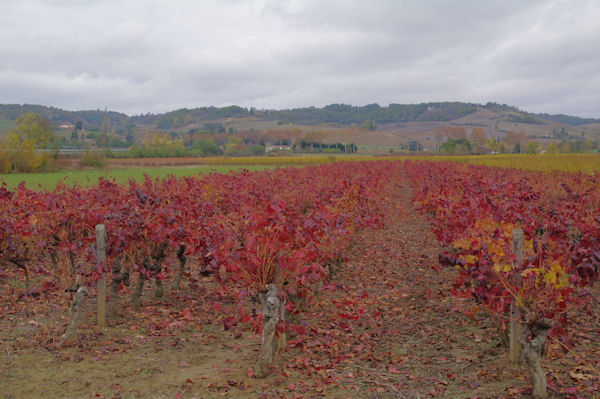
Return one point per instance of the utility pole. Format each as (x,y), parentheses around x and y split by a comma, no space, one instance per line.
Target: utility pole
(105,121)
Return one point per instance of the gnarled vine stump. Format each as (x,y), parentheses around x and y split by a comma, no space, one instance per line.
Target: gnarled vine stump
(151,267)
(532,351)
(118,276)
(74,316)
(270,316)
(182,260)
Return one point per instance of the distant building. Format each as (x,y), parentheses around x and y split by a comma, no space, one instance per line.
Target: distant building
(276,147)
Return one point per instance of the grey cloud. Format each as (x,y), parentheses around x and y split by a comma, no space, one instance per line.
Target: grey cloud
(140,56)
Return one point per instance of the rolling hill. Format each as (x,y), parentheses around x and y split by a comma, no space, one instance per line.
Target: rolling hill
(365,125)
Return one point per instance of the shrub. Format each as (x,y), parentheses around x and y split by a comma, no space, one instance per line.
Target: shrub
(92,159)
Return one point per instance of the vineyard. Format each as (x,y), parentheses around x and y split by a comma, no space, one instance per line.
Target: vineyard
(350,279)
(586,163)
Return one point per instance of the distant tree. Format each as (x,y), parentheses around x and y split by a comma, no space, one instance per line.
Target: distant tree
(18,154)
(205,146)
(257,150)
(477,136)
(455,147)
(147,143)
(130,137)
(315,137)
(517,148)
(234,147)
(415,146)
(5,161)
(294,136)
(532,147)
(445,131)
(523,138)
(581,146)
(451,132)
(156,140)
(511,139)
(439,136)
(369,124)
(551,148)
(457,133)
(220,138)
(565,147)
(32,127)
(493,145)
(160,145)
(275,136)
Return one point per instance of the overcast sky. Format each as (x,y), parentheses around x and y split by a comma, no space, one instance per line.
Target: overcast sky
(155,56)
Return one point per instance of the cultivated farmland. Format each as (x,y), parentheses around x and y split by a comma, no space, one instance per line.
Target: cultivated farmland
(350,279)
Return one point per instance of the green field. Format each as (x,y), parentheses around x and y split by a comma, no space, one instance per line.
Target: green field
(90,177)
(586,163)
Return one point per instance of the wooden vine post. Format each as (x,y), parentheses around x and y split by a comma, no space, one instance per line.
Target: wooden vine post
(515,313)
(101,284)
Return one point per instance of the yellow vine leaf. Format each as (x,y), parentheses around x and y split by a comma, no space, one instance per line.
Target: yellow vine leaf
(497,267)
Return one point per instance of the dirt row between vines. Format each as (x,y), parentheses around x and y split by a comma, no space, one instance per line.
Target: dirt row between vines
(387,326)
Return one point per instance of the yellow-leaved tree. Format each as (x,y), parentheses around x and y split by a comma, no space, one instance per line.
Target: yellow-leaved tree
(20,148)
(33,127)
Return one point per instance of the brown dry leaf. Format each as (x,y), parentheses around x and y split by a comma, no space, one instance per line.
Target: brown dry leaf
(582,376)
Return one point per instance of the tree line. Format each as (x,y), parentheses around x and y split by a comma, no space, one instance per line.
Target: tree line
(454,140)
(367,116)
(241,143)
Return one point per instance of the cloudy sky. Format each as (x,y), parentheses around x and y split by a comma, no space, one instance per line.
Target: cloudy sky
(138,56)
